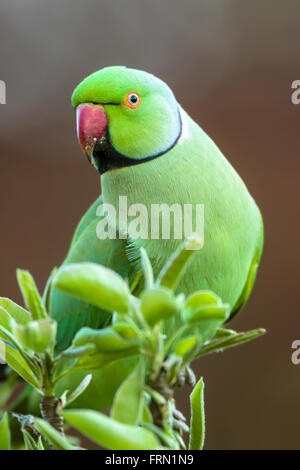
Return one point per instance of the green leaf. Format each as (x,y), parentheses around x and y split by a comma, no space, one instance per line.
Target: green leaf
(200,298)
(105,340)
(166,439)
(5,320)
(147,269)
(29,442)
(52,435)
(146,414)
(97,361)
(110,433)
(126,331)
(128,401)
(48,289)
(79,351)
(222,332)
(229,341)
(197,426)
(80,389)
(107,379)
(9,338)
(174,269)
(185,345)
(5,438)
(15,360)
(31,295)
(158,304)
(40,443)
(18,313)
(179,439)
(95,284)
(37,335)
(204,305)
(207,313)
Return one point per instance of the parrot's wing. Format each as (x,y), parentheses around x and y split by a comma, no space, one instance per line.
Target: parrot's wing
(85,221)
(250,278)
(71,313)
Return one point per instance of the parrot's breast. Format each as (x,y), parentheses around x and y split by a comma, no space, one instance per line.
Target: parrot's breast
(195,173)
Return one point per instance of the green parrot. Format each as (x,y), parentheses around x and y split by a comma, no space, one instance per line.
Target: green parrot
(147,148)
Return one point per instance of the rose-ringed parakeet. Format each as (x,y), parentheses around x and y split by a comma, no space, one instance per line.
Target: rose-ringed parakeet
(146,147)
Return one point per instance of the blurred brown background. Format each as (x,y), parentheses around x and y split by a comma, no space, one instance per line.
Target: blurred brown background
(231,65)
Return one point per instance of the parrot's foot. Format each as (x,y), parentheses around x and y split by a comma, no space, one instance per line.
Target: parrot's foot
(186,377)
(179,421)
(180,426)
(162,404)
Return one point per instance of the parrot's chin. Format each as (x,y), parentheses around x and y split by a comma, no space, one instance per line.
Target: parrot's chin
(105,157)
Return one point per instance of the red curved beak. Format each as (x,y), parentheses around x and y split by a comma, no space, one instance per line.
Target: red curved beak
(91,125)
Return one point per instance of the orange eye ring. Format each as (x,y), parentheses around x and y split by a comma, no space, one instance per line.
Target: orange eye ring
(133,99)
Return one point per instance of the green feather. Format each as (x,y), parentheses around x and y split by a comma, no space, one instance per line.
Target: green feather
(70,312)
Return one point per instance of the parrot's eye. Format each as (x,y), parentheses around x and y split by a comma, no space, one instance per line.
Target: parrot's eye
(133,99)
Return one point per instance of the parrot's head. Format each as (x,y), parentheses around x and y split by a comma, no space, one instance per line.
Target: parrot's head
(125,117)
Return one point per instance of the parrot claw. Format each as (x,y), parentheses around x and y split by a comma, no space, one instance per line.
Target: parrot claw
(179,419)
(186,377)
(178,415)
(190,377)
(180,426)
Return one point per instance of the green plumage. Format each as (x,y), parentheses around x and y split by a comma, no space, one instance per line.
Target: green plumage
(190,169)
